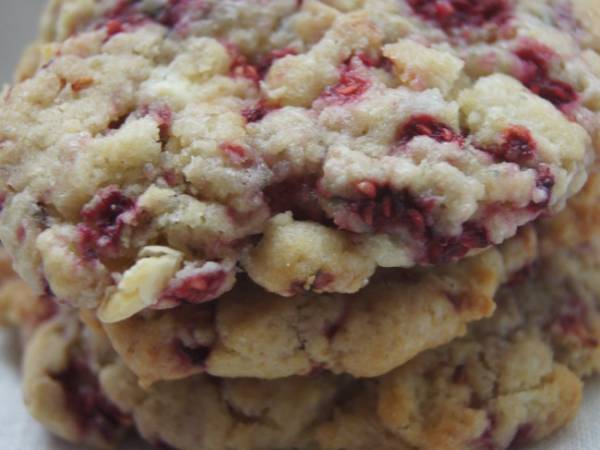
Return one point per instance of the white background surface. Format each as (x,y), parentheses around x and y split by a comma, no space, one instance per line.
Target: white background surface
(18,21)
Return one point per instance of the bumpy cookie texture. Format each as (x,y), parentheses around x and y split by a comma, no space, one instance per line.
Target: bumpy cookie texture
(512,380)
(307,143)
(250,332)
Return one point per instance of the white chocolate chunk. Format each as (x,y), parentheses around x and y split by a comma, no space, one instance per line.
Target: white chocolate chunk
(141,285)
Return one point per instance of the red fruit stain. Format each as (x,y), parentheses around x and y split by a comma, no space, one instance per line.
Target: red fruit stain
(163,115)
(442,249)
(333,328)
(535,74)
(322,280)
(171,177)
(451,14)
(257,112)
(523,435)
(572,321)
(486,440)
(240,67)
(21,233)
(84,397)
(198,288)
(238,155)
(267,60)
(299,195)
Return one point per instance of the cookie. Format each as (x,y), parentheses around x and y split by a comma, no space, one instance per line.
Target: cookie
(306,144)
(512,380)
(252,333)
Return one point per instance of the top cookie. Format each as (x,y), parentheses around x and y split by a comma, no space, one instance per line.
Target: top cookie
(163,144)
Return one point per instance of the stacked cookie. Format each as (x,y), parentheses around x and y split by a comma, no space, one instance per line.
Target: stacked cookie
(336,224)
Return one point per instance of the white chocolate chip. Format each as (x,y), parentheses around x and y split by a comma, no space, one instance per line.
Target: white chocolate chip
(141,285)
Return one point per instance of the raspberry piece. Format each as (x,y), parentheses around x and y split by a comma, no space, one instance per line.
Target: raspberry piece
(384,210)
(449,14)
(104,221)
(113,27)
(518,146)
(349,88)
(377,61)
(535,74)
(106,208)
(425,125)
(445,249)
